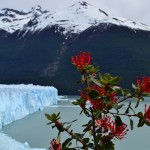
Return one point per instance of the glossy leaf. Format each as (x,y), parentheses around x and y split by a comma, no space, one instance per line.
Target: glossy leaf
(66,142)
(131,123)
(141,123)
(118,121)
(93,94)
(97,82)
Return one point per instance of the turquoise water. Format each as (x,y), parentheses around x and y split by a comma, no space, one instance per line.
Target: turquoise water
(33,128)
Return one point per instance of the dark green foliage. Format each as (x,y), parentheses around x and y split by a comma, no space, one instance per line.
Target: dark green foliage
(119,50)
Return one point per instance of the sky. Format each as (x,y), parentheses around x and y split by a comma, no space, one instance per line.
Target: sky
(136,10)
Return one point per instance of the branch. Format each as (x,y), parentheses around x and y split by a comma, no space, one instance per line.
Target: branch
(74,137)
(131,96)
(129,115)
(94,133)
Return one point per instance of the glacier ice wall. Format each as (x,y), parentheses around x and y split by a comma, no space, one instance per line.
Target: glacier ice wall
(18,101)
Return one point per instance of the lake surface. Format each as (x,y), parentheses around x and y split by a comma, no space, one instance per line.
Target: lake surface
(33,128)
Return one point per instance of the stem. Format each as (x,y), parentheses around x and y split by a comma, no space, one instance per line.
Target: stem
(126,98)
(74,137)
(94,133)
(129,115)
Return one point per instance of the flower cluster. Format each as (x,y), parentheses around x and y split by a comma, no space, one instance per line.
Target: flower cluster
(144,85)
(55,145)
(147,115)
(82,60)
(118,131)
(103,98)
(106,125)
(101,102)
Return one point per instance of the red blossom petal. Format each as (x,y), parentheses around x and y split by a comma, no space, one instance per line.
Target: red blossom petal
(147,114)
(82,60)
(144,85)
(118,131)
(103,123)
(55,145)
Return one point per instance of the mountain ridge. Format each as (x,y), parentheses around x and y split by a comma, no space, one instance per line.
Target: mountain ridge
(74,19)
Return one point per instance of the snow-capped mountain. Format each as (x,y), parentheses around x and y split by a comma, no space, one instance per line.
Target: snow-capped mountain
(73,19)
(36,45)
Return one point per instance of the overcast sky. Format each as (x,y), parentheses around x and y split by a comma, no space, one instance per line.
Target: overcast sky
(137,10)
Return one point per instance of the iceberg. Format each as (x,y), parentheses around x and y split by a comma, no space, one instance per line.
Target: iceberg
(7,143)
(18,101)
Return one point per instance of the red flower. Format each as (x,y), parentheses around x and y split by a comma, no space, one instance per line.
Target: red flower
(118,131)
(103,123)
(147,114)
(97,104)
(85,95)
(112,97)
(82,60)
(144,85)
(100,90)
(55,145)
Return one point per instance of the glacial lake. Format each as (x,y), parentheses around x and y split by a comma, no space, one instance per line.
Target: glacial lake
(33,128)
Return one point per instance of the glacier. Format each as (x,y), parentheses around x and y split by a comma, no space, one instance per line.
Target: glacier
(18,101)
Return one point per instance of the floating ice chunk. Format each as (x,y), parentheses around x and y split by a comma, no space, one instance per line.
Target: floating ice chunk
(7,143)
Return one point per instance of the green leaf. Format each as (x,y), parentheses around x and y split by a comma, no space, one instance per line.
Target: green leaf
(134,86)
(93,94)
(109,146)
(68,126)
(49,123)
(98,138)
(117,107)
(140,115)
(115,80)
(83,77)
(107,76)
(141,122)
(117,89)
(85,140)
(97,114)
(131,123)
(78,135)
(137,103)
(95,81)
(53,117)
(70,121)
(103,80)
(128,108)
(118,121)
(66,142)
(126,92)
(48,116)
(78,101)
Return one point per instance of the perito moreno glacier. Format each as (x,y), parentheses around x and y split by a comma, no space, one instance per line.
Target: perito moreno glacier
(18,101)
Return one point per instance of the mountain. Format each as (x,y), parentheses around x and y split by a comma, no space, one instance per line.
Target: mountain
(36,45)
(74,19)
